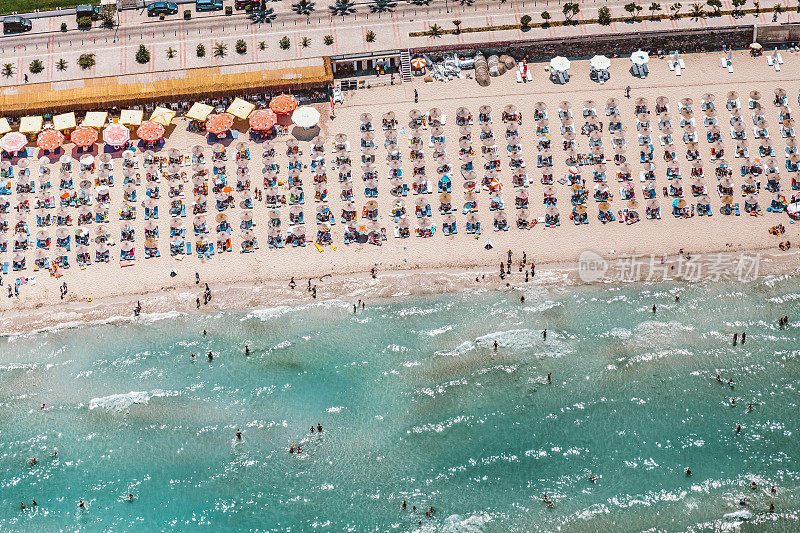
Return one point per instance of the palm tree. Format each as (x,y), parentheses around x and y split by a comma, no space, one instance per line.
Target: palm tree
(170,52)
(466,2)
(303,7)
(8,70)
(342,7)
(434,31)
(382,6)
(697,12)
(653,8)
(420,2)
(61,64)
(677,7)
(263,15)
(220,49)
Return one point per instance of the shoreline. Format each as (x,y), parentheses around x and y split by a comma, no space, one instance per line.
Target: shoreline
(273,292)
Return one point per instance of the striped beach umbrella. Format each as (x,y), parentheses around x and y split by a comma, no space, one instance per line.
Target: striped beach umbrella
(284,104)
(13,141)
(263,119)
(116,135)
(418,63)
(219,123)
(83,136)
(150,131)
(50,139)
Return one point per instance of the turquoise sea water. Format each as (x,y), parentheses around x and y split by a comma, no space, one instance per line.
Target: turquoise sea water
(416,405)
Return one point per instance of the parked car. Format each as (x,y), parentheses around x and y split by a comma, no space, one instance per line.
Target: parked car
(16,24)
(161,8)
(86,10)
(242,4)
(208,5)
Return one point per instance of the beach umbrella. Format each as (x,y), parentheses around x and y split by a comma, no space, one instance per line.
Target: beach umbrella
(13,141)
(462,112)
(116,134)
(283,104)
(559,63)
(600,62)
(484,110)
(305,117)
(640,58)
(150,131)
(84,136)
(219,123)
(755,95)
(49,139)
(262,119)
(435,114)
(389,116)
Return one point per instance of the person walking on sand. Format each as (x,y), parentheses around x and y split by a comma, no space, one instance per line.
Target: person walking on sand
(292,284)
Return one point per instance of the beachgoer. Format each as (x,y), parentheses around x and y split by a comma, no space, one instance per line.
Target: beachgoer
(548,377)
(544,334)
(735,338)
(354,308)
(292,284)
(363,305)
(738,429)
(719,378)
(34,504)
(753,485)
(319,428)
(744,336)
(688,473)
(771,507)
(312,429)
(309,284)
(198,302)
(730,382)
(628,91)
(495,346)
(130,497)
(210,356)
(654,308)
(773,490)
(82,505)
(314,292)
(404,505)
(522,299)
(22,506)
(204,332)
(246,349)
(197,278)
(526,277)
(416,96)
(34,461)
(239,434)
(749,406)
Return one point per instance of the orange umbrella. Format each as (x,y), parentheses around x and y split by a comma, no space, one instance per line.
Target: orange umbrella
(83,136)
(263,119)
(228,189)
(150,131)
(218,124)
(50,139)
(284,104)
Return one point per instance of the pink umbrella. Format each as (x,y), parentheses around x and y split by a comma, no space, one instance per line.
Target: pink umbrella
(13,141)
(116,135)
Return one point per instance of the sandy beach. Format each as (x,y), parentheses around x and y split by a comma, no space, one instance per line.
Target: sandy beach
(440,263)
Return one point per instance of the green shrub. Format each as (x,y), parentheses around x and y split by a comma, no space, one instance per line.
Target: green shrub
(201,50)
(285,43)
(370,36)
(228,10)
(241,47)
(63,26)
(86,61)
(604,16)
(142,55)
(84,23)
(328,39)
(525,20)
(187,14)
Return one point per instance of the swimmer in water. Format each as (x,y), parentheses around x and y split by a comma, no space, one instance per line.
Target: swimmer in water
(654,308)
(210,356)
(22,506)
(312,429)
(749,406)
(34,461)
(246,349)
(495,346)
(592,478)
(82,505)
(404,505)
(42,406)
(753,485)
(719,379)
(773,490)
(771,507)
(730,382)
(738,429)
(130,497)
(688,473)
(548,377)
(319,428)
(239,434)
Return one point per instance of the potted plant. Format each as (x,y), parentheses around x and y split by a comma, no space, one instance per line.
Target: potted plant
(525,21)
(187,14)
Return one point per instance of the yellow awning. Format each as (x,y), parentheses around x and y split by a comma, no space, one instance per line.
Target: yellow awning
(65,121)
(5,127)
(131,117)
(241,108)
(199,111)
(95,119)
(30,124)
(163,116)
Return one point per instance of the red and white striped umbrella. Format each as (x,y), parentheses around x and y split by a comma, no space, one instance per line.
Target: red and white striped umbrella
(284,104)
(418,63)
(13,141)
(116,135)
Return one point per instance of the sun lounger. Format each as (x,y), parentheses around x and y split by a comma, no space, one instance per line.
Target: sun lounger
(670,64)
(681,63)
(5,267)
(730,68)
(677,70)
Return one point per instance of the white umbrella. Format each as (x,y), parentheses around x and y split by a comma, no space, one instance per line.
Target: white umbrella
(305,117)
(640,57)
(559,63)
(600,63)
